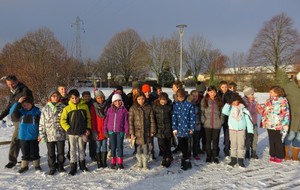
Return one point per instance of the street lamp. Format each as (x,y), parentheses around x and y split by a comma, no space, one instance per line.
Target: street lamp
(108,79)
(181,30)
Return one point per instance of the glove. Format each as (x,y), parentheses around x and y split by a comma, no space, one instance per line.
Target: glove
(105,135)
(175,132)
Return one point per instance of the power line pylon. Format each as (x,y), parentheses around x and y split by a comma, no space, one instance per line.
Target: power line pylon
(78,27)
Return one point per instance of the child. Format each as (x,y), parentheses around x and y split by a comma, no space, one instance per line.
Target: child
(76,121)
(195,100)
(52,133)
(239,120)
(28,117)
(142,128)
(211,118)
(86,95)
(254,108)
(276,119)
(183,124)
(98,112)
(116,126)
(162,108)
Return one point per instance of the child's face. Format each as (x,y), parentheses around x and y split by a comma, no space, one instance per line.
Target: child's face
(180,98)
(159,91)
(27,105)
(174,88)
(147,94)
(62,90)
(212,94)
(100,99)
(87,97)
(235,103)
(54,98)
(233,88)
(140,100)
(250,97)
(224,88)
(273,94)
(195,96)
(163,102)
(117,103)
(74,99)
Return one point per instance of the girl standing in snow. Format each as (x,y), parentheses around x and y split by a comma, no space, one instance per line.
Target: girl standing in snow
(52,132)
(98,112)
(276,119)
(211,118)
(239,120)
(28,117)
(142,128)
(116,126)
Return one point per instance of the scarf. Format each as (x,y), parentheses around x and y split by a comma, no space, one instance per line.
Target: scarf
(100,109)
(237,112)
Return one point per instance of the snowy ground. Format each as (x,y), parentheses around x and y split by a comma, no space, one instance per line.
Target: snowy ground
(258,174)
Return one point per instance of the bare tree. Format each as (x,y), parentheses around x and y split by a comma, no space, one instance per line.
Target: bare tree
(39,60)
(216,62)
(276,44)
(237,61)
(121,53)
(172,46)
(196,54)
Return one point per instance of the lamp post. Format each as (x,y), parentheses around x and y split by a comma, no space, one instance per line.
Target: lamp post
(181,30)
(108,79)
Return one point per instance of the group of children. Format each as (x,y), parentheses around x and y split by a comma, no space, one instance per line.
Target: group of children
(187,120)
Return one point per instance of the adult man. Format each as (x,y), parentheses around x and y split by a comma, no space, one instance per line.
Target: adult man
(17,90)
(292,91)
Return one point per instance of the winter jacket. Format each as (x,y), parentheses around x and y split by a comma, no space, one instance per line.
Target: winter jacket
(28,121)
(198,112)
(142,123)
(163,119)
(50,128)
(183,118)
(239,117)
(98,119)
(292,91)
(276,114)
(252,108)
(76,118)
(116,120)
(20,91)
(211,116)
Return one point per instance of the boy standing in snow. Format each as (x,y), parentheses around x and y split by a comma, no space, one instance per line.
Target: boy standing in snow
(239,120)
(183,124)
(76,121)
(52,133)
(28,117)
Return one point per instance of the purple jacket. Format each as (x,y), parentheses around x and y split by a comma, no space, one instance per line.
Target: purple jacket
(116,120)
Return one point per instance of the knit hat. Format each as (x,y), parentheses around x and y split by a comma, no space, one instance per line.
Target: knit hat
(248,91)
(135,84)
(53,92)
(146,88)
(28,99)
(99,93)
(116,97)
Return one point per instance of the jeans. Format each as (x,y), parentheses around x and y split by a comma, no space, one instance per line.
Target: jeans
(30,149)
(212,139)
(292,138)
(116,143)
(101,146)
(183,145)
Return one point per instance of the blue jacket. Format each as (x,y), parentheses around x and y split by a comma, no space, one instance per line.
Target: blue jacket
(28,121)
(183,118)
(245,121)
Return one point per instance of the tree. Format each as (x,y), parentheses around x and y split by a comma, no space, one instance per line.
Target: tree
(196,53)
(238,62)
(40,61)
(121,54)
(216,62)
(276,45)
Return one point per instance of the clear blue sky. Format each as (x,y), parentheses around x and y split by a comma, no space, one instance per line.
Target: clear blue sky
(231,25)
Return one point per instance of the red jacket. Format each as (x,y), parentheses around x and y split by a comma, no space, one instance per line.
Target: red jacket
(97,123)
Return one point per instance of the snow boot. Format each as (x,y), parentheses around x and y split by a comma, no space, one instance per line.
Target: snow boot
(82,166)
(233,162)
(287,153)
(73,167)
(253,154)
(186,164)
(36,164)
(139,161)
(120,163)
(52,171)
(295,153)
(99,160)
(24,166)
(10,165)
(113,163)
(247,155)
(241,162)
(60,168)
(168,162)
(104,158)
(145,161)
(208,159)
(163,162)
(216,160)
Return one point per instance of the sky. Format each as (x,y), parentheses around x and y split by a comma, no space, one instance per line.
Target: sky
(230,25)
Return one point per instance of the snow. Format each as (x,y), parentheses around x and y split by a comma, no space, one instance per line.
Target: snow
(258,174)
